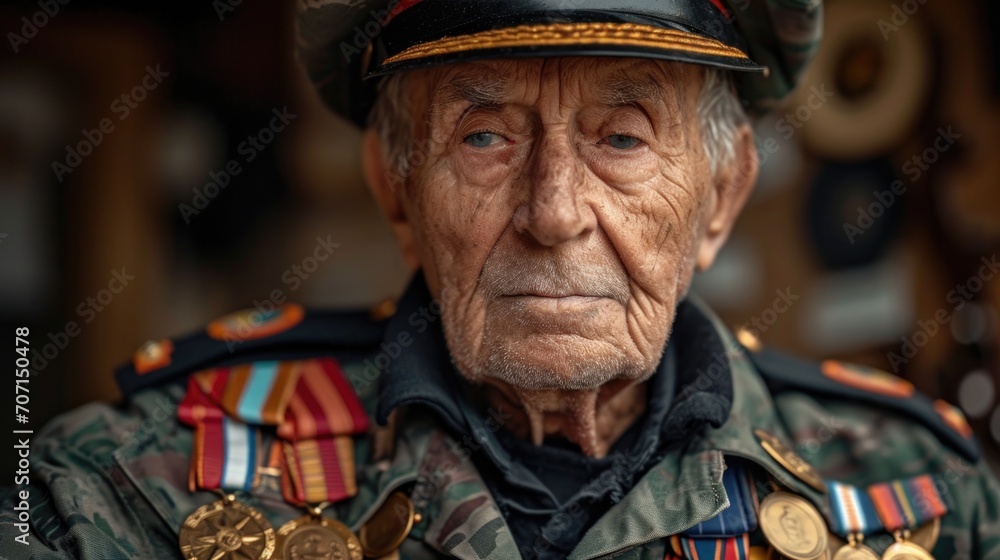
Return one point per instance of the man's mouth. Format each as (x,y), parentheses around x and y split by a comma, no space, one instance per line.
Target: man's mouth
(555,294)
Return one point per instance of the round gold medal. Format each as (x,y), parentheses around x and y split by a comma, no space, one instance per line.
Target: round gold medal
(388,527)
(793,526)
(856,551)
(905,550)
(926,537)
(226,530)
(312,537)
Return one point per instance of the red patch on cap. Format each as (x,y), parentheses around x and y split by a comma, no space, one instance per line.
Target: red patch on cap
(722,7)
(403,6)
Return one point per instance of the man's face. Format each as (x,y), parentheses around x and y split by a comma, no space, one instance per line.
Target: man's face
(558,213)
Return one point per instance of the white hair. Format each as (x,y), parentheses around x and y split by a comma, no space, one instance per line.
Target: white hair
(719,110)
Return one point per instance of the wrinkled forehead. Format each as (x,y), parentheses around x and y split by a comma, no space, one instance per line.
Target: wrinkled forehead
(607,81)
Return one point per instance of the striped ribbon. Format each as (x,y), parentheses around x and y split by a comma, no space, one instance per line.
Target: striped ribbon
(741,515)
(852,510)
(727,535)
(225,450)
(729,548)
(313,407)
(907,503)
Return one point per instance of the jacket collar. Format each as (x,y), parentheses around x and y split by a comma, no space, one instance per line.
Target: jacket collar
(683,489)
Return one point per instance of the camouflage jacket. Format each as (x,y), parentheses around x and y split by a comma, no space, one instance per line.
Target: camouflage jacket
(110,482)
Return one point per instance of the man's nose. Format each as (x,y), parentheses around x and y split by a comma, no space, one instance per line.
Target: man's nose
(556,210)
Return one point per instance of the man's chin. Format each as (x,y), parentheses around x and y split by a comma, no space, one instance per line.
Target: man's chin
(561,362)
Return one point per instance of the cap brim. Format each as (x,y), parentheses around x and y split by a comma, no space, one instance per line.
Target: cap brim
(572,39)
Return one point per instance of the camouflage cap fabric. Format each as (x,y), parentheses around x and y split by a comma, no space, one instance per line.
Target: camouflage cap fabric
(346,45)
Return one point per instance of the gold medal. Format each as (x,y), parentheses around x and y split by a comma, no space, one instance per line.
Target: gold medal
(388,527)
(903,549)
(855,550)
(314,537)
(226,530)
(790,460)
(926,537)
(793,526)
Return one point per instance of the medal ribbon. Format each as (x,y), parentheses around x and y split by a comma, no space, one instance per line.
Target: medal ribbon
(852,511)
(730,548)
(225,450)
(316,413)
(741,515)
(907,503)
(727,535)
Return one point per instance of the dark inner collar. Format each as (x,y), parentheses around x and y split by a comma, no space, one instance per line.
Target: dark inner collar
(695,385)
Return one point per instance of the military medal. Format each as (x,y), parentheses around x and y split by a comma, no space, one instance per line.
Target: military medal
(926,537)
(905,550)
(315,536)
(790,460)
(793,526)
(903,505)
(853,516)
(312,474)
(224,457)
(388,527)
(316,413)
(226,529)
(855,550)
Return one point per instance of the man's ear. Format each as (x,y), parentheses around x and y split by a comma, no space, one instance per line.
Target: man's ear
(733,185)
(386,187)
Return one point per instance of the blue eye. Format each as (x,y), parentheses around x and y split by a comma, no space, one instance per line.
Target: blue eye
(482,139)
(622,141)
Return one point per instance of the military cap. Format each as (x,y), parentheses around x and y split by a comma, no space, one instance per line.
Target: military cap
(345,45)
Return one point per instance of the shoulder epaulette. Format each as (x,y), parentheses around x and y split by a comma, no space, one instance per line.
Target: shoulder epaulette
(864,384)
(287,332)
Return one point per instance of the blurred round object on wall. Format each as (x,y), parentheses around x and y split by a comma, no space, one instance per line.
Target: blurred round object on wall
(966,199)
(971,323)
(868,86)
(976,393)
(854,212)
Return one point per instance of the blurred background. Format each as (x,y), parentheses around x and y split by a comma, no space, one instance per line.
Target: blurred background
(162,164)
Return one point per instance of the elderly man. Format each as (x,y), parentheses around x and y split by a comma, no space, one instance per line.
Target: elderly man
(557,172)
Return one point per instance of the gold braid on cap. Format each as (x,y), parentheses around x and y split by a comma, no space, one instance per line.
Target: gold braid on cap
(566,34)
